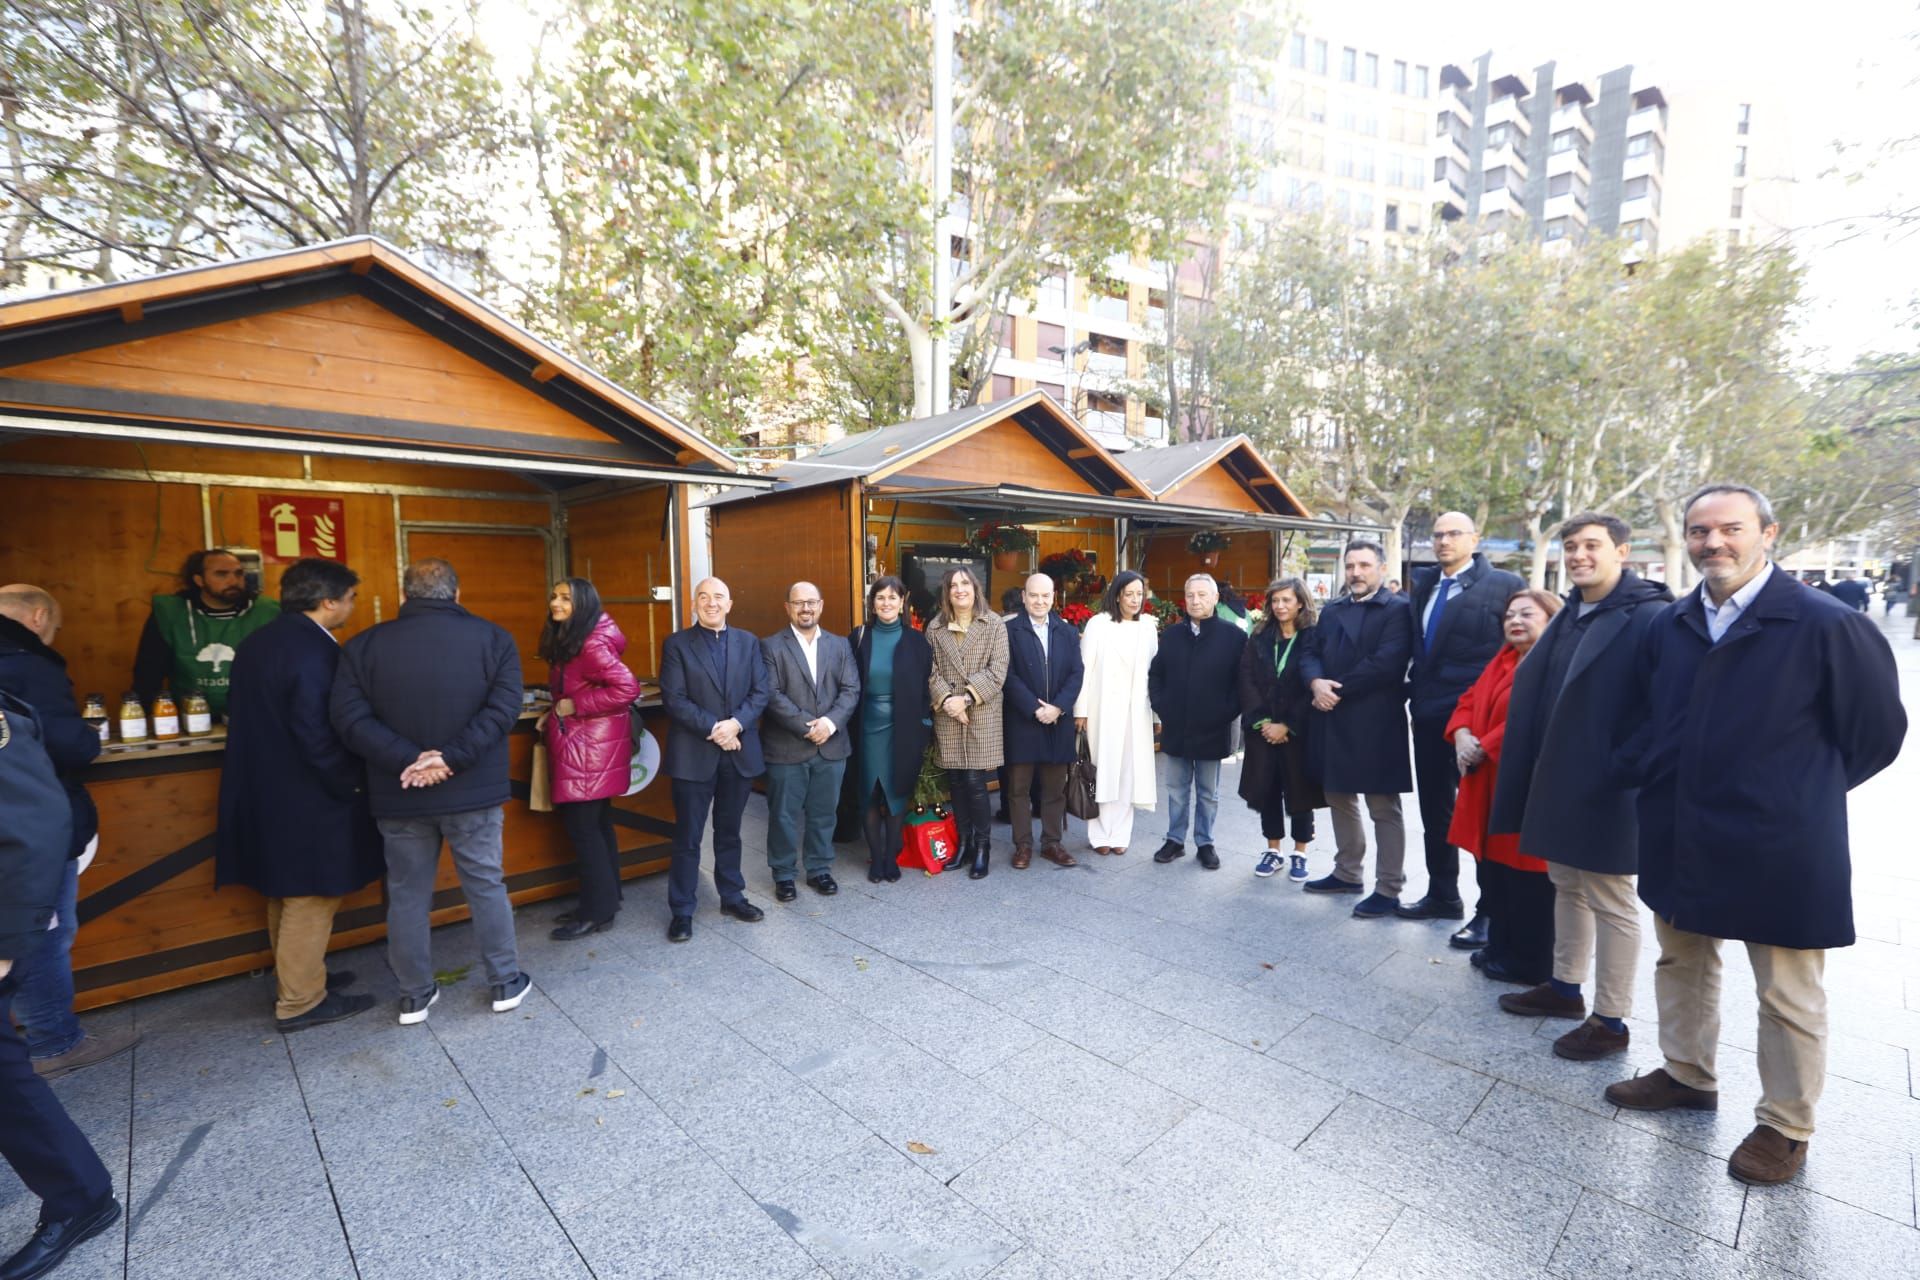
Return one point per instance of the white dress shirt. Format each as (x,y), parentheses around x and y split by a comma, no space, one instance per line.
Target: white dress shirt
(1721,617)
(1040,631)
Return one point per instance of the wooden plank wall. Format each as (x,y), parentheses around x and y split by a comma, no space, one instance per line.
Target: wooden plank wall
(619,543)
(1217,488)
(922,522)
(1245,563)
(1004,453)
(763,545)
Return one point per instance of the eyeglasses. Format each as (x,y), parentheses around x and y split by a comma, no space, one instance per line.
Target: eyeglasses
(804,604)
(1441,535)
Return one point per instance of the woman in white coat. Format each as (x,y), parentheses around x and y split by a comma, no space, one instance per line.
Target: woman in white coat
(1117,648)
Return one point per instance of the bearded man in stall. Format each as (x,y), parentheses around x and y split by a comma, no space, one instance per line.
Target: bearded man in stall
(192,634)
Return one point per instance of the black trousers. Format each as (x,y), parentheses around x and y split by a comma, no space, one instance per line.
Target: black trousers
(1519,907)
(1274,822)
(1437,777)
(589,825)
(972,803)
(725,795)
(37,1136)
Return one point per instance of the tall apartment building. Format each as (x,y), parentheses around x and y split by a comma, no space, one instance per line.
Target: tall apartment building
(1730,165)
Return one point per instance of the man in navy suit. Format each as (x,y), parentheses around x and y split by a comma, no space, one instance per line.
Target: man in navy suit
(1044,674)
(713,681)
(813,693)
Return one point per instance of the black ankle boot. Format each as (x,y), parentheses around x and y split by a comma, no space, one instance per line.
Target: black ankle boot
(962,860)
(982,857)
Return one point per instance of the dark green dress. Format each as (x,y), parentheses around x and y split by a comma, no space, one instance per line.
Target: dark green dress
(876,719)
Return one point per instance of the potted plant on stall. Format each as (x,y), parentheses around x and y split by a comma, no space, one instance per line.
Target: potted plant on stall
(1208,544)
(1004,542)
(1068,569)
(1076,616)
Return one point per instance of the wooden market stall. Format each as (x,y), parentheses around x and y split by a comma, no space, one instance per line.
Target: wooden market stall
(342,401)
(1253,509)
(903,499)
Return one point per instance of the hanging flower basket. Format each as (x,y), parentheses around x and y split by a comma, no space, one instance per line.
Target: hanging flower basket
(1208,544)
(1006,543)
(1067,568)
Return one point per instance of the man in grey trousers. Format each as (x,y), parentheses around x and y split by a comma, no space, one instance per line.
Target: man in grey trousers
(428,700)
(815,692)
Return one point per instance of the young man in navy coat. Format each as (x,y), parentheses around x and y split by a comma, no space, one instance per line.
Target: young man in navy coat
(1763,704)
(1044,673)
(1458,611)
(713,681)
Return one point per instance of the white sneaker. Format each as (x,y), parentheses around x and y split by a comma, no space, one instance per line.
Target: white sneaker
(414,1008)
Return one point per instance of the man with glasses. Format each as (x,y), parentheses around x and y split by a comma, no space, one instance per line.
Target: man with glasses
(814,689)
(1457,610)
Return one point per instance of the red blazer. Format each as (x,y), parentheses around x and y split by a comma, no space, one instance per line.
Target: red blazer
(1482,709)
(590,752)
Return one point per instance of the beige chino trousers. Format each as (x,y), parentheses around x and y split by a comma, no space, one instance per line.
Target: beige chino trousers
(1596,918)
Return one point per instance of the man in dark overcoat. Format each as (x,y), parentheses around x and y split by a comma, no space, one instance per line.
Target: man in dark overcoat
(813,692)
(38,1140)
(1356,669)
(1044,673)
(1764,704)
(294,822)
(1458,608)
(714,685)
(1558,791)
(1193,684)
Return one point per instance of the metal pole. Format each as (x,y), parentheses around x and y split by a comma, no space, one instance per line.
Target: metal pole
(940,373)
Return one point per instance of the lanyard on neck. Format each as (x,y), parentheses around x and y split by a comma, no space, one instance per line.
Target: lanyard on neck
(1281,655)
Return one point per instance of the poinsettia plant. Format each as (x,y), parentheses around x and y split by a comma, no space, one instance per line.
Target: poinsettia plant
(1076,615)
(1208,540)
(992,538)
(1067,567)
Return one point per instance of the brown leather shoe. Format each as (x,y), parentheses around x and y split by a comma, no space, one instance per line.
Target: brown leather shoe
(91,1049)
(1766,1157)
(1658,1091)
(1591,1041)
(1544,1002)
(1059,857)
(1022,858)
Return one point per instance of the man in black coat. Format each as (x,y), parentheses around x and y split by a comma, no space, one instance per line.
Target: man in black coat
(1557,788)
(1044,673)
(1458,607)
(33,671)
(1763,704)
(1851,592)
(1356,669)
(37,1137)
(714,684)
(427,700)
(294,823)
(812,693)
(1193,684)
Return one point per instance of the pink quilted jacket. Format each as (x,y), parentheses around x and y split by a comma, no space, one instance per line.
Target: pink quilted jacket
(589,751)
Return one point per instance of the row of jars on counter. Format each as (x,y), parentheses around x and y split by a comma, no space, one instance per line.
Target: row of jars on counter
(133,725)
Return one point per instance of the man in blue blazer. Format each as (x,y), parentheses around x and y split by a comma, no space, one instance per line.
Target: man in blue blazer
(1044,674)
(813,694)
(713,681)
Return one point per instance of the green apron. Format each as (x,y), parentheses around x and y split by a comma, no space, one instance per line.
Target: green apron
(203,647)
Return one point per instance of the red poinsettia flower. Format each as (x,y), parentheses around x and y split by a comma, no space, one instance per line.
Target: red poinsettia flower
(1077,615)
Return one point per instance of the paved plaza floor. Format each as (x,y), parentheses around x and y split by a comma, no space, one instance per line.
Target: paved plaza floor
(1118,1070)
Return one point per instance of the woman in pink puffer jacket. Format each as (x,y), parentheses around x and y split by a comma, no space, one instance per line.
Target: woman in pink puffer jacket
(589,744)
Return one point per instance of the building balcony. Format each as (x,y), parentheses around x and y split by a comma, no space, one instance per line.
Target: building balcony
(1645,210)
(1568,162)
(1501,200)
(1641,166)
(1572,117)
(1568,206)
(1510,156)
(1648,120)
(1509,110)
(1105,367)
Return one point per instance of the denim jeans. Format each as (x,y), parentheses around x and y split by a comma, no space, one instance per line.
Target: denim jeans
(413,865)
(44,1001)
(1185,778)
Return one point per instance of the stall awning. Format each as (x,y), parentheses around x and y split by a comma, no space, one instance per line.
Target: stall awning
(533,465)
(1020,499)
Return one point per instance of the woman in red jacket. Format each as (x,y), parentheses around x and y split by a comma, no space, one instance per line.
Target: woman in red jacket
(1515,894)
(589,744)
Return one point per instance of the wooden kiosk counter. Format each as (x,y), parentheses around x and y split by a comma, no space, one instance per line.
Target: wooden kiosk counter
(236,406)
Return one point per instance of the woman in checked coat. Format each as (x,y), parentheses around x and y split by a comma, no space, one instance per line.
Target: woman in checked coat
(969,668)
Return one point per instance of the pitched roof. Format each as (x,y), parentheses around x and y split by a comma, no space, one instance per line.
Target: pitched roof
(74,320)
(1163,470)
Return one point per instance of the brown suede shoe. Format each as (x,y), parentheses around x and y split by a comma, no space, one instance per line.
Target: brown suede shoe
(1543,1002)
(1658,1091)
(1022,858)
(90,1050)
(1059,857)
(1591,1041)
(1766,1157)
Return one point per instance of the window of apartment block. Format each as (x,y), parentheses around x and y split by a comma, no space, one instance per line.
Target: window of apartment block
(1370,71)
(1313,198)
(1738,208)
(1156,307)
(1313,153)
(1393,216)
(1320,56)
(1363,164)
(1297,51)
(1499,135)
(1635,230)
(1558,228)
(1370,123)
(1053,293)
(1392,178)
(1564,140)
(1002,388)
(1054,389)
(1399,76)
(1349,65)
(1739,162)
(1344,114)
(1342,205)
(1343,159)
(1639,144)
(1363,210)
(1645,188)
(1419,82)
(1494,179)
(1317,105)
(1001,327)
(1745,117)
(1050,345)
(1560,184)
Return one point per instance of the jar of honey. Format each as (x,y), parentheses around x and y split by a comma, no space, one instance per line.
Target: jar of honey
(132,719)
(199,716)
(166,718)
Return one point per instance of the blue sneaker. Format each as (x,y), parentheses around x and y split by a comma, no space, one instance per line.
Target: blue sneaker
(1297,868)
(1374,906)
(1269,864)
